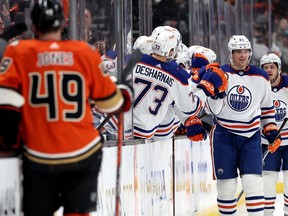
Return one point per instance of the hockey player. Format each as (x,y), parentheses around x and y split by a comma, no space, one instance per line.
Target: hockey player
(278,160)
(236,139)
(49,82)
(144,43)
(158,84)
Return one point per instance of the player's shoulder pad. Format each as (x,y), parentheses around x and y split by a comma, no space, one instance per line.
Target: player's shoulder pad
(226,68)
(171,68)
(284,81)
(258,72)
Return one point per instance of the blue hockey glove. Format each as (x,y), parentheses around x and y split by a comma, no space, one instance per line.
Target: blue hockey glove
(214,82)
(270,131)
(195,130)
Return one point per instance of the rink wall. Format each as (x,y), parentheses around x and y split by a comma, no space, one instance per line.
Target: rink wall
(147,180)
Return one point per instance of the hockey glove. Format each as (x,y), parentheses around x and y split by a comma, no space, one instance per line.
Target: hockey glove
(181,130)
(270,131)
(198,63)
(127,95)
(214,83)
(110,54)
(195,130)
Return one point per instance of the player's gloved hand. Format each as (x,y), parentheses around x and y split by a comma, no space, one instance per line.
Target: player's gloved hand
(214,82)
(127,93)
(198,61)
(198,73)
(109,55)
(195,130)
(181,130)
(270,131)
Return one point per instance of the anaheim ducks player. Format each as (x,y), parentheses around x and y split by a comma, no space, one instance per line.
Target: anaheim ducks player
(49,83)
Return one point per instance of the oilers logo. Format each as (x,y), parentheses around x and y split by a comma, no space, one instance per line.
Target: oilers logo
(280,110)
(239,98)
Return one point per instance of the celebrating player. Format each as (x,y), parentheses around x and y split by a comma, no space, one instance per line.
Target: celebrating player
(49,82)
(236,139)
(159,84)
(279,159)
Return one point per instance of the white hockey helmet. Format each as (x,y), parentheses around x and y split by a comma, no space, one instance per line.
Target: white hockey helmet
(208,53)
(239,42)
(182,58)
(173,30)
(156,31)
(144,43)
(271,58)
(165,44)
(192,49)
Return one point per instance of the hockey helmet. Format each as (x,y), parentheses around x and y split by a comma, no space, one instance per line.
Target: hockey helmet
(271,58)
(239,42)
(144,43)
(47,15)
(165,42)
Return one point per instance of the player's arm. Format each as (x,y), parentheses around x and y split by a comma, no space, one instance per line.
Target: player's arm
(119,100)
(10,115)
(106,95)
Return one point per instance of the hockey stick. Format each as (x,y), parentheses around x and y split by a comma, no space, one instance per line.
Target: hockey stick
(135,58)
(266,152)
(119,153)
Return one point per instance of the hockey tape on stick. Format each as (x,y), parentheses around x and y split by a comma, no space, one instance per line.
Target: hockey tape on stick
(134,59)
(266,152)
(14,31)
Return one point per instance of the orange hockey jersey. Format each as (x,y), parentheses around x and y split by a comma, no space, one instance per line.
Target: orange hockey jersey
(57,79)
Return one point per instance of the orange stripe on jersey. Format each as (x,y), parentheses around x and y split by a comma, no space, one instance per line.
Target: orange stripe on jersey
(268,112)
(227,207)
(144,136)
(242,126)
(255,204)
(269,203)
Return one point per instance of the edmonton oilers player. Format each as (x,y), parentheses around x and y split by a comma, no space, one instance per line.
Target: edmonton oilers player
(236,139)
(159,83)
(279,159)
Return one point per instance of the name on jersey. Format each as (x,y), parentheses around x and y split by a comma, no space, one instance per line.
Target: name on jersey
(154,73)
(59,58)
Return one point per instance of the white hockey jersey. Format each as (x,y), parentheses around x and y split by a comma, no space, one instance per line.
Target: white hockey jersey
(280,101)
(248,105)
(158,86)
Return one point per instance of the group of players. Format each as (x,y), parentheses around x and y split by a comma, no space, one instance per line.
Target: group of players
(172,85)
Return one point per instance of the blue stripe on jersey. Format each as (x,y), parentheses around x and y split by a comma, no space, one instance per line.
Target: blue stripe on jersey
(241,122)
(245,131)
(267,108)
(172,68)
(249,71)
